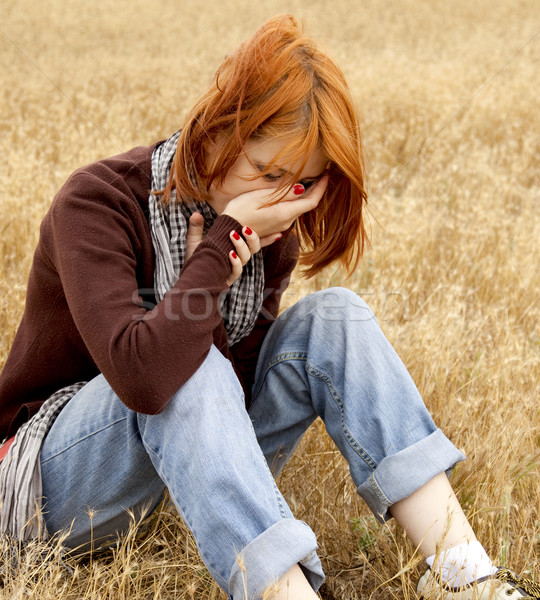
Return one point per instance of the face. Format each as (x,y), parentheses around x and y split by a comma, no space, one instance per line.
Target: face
(245,175)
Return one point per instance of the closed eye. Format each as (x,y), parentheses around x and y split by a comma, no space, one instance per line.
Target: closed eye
(276,176)
(271,177)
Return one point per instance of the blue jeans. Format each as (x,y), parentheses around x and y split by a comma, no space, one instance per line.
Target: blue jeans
(325,356)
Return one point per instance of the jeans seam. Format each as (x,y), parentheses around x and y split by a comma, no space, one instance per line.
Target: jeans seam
(279,358)
(372,482)
(278,498)
(310,370)
(277,493)
(81,439)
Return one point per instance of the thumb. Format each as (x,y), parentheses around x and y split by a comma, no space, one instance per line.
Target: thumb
(194,234)
(195,227)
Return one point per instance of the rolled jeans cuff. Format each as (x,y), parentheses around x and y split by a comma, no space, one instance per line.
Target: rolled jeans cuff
(271,554)
(399,475)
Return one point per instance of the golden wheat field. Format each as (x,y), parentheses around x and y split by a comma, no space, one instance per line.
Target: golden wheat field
(448,93)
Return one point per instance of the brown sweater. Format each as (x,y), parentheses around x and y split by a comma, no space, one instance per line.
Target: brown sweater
(90,307)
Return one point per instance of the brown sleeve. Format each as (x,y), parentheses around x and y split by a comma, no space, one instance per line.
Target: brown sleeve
(145,355)
(279,260)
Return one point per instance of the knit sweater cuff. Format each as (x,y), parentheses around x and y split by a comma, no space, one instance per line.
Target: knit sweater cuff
(218,235)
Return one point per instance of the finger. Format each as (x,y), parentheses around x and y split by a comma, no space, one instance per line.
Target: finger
(194,234)
(196,220)
(236,265)
(195,228)
(252,239)
(241,247)
(270,239)
(294,205)
(316,191)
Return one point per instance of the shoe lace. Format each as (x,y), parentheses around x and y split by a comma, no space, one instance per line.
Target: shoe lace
(527,585)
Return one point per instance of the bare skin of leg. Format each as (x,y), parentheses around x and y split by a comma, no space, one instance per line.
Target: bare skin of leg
(433,518)
(292,586)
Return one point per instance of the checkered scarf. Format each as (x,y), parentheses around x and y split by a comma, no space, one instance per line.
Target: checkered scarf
(20,471)
(169,224)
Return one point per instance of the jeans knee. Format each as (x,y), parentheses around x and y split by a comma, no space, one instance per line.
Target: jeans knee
(334,305)
(215,378)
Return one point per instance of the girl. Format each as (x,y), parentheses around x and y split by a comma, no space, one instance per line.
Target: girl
(150,354)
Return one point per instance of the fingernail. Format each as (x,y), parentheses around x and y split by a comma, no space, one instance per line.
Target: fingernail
(233,254)
(248,231)
(298,189)
(236,235)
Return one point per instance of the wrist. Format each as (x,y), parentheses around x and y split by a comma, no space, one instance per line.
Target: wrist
(218,236)
(230,215)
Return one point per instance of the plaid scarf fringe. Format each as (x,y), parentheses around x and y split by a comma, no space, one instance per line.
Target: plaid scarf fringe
(20,471)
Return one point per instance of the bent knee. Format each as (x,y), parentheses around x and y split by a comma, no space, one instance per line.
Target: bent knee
(335,304)
(214,378)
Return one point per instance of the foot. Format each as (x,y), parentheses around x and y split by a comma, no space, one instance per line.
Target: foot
(504,585)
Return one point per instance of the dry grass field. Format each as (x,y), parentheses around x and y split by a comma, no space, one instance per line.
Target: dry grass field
(448,93)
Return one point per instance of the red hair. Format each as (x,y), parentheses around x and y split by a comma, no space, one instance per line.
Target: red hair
(277,84)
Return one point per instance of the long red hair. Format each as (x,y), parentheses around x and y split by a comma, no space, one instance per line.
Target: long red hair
(277,84)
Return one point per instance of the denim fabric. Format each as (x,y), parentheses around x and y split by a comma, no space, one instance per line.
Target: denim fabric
(326,357)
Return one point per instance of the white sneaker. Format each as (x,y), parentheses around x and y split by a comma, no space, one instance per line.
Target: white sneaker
(504,585)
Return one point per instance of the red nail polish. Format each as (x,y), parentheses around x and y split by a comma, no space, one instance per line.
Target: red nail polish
(298,189)
(248,231)
(236,235)
(233,254)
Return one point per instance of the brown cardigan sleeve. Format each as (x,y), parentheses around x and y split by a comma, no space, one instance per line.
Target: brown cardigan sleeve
(145,355)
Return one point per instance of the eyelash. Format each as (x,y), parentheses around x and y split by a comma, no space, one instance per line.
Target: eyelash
(307,184)
(270,177)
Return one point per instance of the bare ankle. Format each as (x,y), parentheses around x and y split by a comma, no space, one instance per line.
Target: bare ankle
(291,586)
